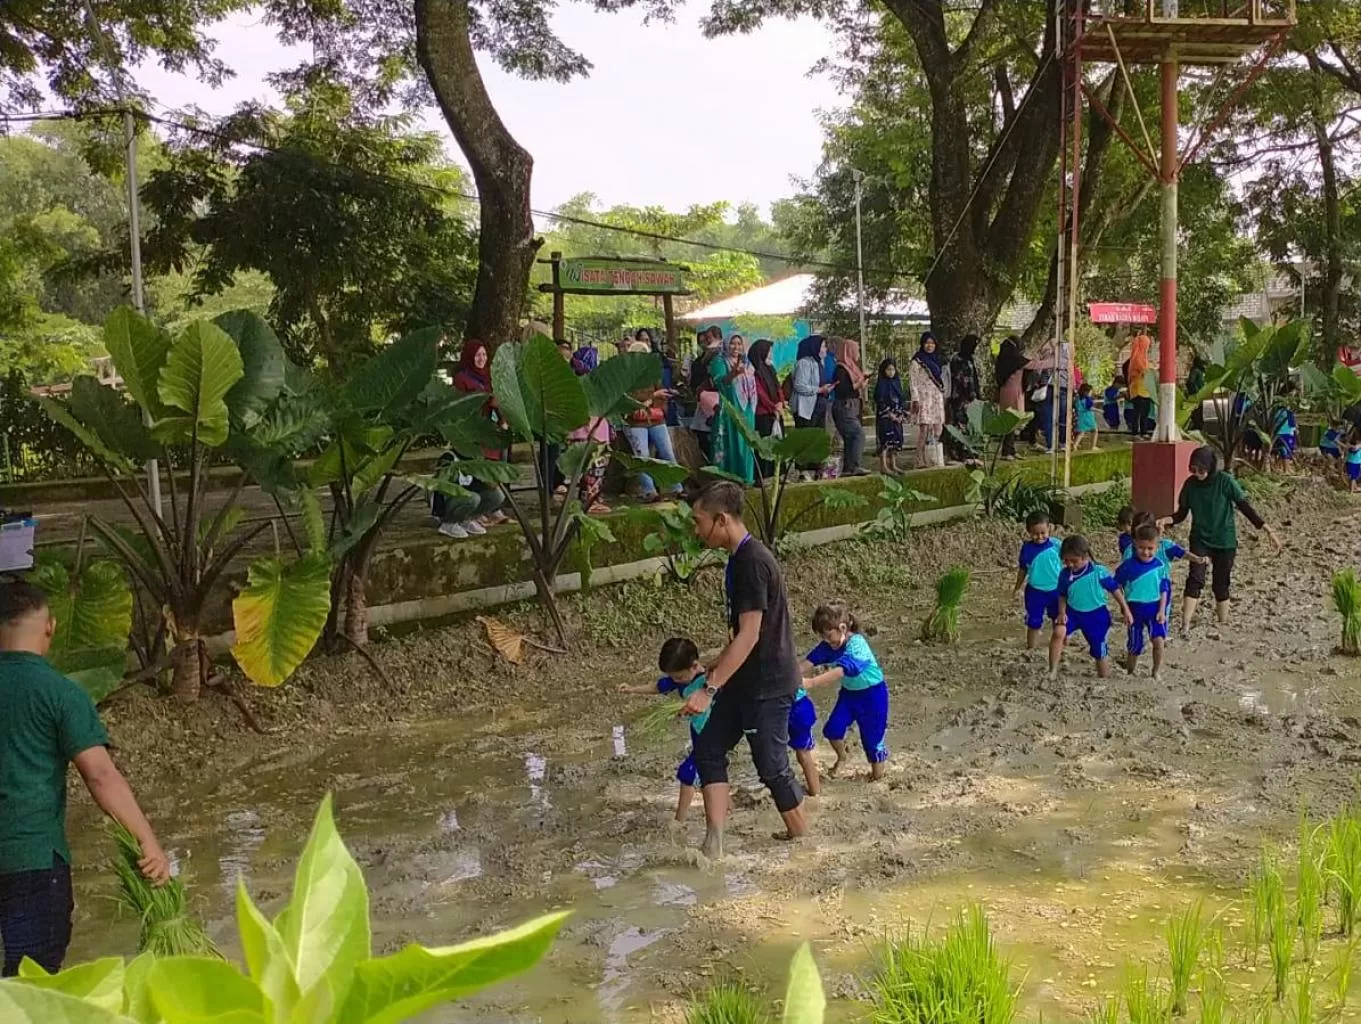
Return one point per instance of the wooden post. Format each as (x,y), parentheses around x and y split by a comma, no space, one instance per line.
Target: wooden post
(559,300)
(669,312)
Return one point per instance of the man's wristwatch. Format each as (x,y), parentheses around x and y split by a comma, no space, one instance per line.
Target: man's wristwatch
(712,691)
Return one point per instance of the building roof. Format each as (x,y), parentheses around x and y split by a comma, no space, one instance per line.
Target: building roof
(791,296)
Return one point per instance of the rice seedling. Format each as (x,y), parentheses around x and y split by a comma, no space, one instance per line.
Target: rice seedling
(1185,940)
(661,720)
(1342,972)
(1146,1002)
(1214,1002)
(943,622)
(1268,891)
(1280,943)
(728,1002)
(1309,885)
(1301,1007)
(960,978)
(1343,866)
(1347,601)
(1105,1011)
(168,929)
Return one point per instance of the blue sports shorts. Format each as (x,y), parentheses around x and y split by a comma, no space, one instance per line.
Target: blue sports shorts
(1094,627)
(868,710)
(1145,621)
(802,717)
(1038,604)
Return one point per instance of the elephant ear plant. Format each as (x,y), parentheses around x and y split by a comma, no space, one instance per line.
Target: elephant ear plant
(312,964)
(216,387)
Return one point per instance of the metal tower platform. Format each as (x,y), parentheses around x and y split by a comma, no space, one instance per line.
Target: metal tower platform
(1201,32)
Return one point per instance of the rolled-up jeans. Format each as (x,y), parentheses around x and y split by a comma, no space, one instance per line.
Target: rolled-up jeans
(483,501)
(35,916)
(659,438)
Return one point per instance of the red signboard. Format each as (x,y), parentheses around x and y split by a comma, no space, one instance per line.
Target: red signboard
(1122,313)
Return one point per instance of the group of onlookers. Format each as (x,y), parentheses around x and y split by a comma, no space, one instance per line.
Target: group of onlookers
(730,391)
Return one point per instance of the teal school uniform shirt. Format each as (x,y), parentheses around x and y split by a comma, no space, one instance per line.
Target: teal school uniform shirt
(1143,582)
(668,685)
(1041,564)
(1354,456)
(855,659)
(1086,591)
(47,720)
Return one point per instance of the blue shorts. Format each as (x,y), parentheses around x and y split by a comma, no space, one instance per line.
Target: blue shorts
(1284,447)
(802,717)
(1354,471)
(687,774)
(1332,453)
(1038,604)
(868,709)
(1145,621)
(1094,626)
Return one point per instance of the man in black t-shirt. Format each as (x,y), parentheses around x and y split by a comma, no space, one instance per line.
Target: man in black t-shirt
(752,685)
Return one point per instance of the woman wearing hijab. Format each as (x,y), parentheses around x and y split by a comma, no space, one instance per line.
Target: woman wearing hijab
(810,390)
(646,429)
(966,387)
(456,520)
(848,392)
(1139,394)
(1009,371)
(702,387)
(926,378)
(890,409)
(769,397)
(654,345)
(736,382)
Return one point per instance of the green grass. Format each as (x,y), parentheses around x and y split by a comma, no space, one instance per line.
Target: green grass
(1300,1009)
(1101,508)
(1282,925)
(1185,940)
(958,978)
(168,929)
(1343,866)
(1146,1002)
(1267,890)
(729,1002)
(1105,1011)
(1309,884)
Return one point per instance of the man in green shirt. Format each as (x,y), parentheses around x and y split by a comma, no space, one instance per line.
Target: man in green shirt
(46,722)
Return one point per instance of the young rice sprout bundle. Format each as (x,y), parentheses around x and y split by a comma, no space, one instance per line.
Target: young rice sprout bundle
(658,721)
(167,927)
(1347,599)
(943,622)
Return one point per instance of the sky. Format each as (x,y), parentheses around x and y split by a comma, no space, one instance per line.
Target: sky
(666,117)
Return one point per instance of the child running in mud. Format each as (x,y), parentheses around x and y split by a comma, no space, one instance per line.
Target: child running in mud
(844,657)
(1145,579)
(803,715)
(1083,586)
(1038,574)
(1354,461)
(1124,522)
(679,659)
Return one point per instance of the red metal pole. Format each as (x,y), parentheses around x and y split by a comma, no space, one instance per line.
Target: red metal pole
(1167,314)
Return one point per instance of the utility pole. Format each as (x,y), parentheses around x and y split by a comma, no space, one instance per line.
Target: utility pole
(153,469)
(859,177)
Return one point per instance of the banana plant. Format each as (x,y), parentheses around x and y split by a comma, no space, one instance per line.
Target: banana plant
(312,963)
(542,398)
(217,386)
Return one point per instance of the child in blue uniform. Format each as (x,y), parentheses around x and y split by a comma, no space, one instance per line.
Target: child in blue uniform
(1124,522)
(1110,406)
(803,715)
(1354,460)
(679,659)
(1037,572)
(844,657)
(1085,417)
(1331,442)
(1145,578)
(1286,439)
(1083,589)
(1169,551)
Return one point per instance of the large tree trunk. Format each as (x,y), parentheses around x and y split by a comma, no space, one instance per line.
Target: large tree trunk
(1333,269)
(981,222)
(501,168)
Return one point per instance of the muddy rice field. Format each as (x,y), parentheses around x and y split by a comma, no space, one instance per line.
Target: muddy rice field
(1079,813)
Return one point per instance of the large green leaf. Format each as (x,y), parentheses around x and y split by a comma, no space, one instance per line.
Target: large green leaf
(666,475)
(1004,422)
(537,391)
(392,380)
(136,995)
(1348,383)
(24,1003)
(262,363)
(292,424)
(61,415)
(1284,349)
(803,446)
(266,958)
(201,990)
(325,927)
(118,424)
(361,443)
(362,520)
(466,429)
(98,982)
(271,469)
(804,1002)
(609,385)
(401,987)
(93,613)
(139,351)
(202,366)
(488,471)
(280,615)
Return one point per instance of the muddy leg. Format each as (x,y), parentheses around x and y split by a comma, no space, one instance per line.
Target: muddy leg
(1032,639)
(878,770)
(1103,668)
(1222,611)
(1188,613)
(809,763)
(683,801)
(1132,662)
(1158,644)
(840,747)
(717,801)
(1056,651)
(795,824)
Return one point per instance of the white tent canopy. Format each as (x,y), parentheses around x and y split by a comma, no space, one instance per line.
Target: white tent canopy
(789,296)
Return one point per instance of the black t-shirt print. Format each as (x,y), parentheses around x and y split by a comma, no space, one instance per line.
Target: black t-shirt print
(756,584)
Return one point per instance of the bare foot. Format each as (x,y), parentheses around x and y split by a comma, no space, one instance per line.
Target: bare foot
(712,847)
(836,767)
(785,837)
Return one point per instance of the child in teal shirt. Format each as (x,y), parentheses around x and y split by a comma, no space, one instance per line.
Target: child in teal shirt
(679,659)
(1083,589)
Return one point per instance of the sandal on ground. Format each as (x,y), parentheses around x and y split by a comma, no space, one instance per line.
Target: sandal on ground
(599,508)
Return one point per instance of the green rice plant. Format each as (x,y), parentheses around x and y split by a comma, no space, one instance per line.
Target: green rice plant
(168,929)
(1105,1011)
(943,622)
(1185,940)
(1146,1002)
(1301,1007)
(1347,601)
(657,723)
(1342,972)
(1282,925)
(1268,892)
(1309,884)
(959,978)
(1343,866)
(1214,1002)
(728,1002)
